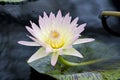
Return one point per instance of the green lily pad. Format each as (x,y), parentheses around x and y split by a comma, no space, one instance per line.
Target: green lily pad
(81,76)
(91,51)
(11,1)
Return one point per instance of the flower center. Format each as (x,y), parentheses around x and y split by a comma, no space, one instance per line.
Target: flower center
(55,40)
(54,34)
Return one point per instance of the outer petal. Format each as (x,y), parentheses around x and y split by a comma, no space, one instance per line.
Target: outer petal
(85,40)
(45,15)
(67,19)
(41,23)
(54,58)
(34,33)
(59,15)
(72,52)
(27,43)
(74,22)
(80,28)
(35,27)
(59,18)
(52,16)
(39,54)
(29,30)
(36,40)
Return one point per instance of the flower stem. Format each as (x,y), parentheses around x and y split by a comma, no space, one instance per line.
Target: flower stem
(111,13)
(68,63)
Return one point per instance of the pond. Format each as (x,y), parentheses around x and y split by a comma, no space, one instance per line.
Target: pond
(106,47)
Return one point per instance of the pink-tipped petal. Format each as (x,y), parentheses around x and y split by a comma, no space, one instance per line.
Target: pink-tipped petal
(35,27)
(80,28)
(85,40)
(36,30)
(74,22)
(59,14)
(59,18)
(27,43)
(37,55)
(45,15)
(34,33)
(34,39)
(52,19)
(41,23)
(46,19)
(29,30)
(67,19)
(72,52)
(52,16)
(54,59)
(40,18)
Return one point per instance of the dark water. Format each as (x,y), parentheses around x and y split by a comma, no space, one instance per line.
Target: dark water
(13,56)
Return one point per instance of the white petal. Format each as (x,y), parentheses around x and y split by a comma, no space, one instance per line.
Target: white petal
(34,26)
(29,30)
(74,22)
(45,15)
(36,40)
(27,43)
(59,15)
(52,16)
(67,19)
(59,18)
(32,38)
(80,29)
(54,58)
(37,55)
(34,33)
(72,52)
(48,50)
(41,23)
(85,40)
(46,19)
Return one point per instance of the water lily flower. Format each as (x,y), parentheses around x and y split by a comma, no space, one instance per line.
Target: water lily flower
(55,35)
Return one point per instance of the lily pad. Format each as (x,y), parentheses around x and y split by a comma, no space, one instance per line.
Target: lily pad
(91,51)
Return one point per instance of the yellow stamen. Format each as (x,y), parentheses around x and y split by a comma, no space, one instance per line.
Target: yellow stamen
(55,44)
(55,40)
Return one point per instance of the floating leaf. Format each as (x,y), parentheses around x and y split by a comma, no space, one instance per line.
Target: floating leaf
(110,74)
(81,76)
(108,70)
(13,1)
